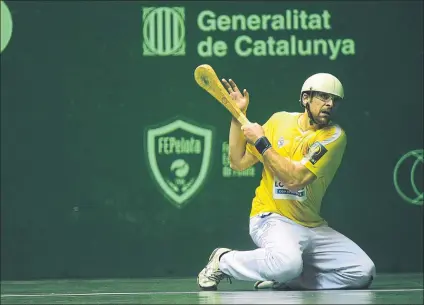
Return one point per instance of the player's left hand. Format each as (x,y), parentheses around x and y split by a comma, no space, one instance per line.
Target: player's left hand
(252,132)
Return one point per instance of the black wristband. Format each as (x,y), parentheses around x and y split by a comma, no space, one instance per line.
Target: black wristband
(262,145)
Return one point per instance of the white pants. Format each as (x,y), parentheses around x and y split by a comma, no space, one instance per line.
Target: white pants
(300,257)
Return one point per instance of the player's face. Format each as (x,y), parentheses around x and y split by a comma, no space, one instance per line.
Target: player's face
(322,107)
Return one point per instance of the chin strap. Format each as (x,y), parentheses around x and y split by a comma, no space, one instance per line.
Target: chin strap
(311,118)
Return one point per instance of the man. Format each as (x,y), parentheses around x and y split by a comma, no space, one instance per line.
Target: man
(301,153)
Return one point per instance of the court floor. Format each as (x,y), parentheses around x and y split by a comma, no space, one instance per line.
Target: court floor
(386,289)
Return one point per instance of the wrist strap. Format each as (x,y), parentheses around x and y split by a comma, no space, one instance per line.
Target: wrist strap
(262,145)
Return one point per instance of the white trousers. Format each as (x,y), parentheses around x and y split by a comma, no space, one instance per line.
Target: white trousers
(300,257)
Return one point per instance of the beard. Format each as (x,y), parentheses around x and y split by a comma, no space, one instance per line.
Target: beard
(322,119)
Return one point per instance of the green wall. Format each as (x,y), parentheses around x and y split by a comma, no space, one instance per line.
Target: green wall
(79,97)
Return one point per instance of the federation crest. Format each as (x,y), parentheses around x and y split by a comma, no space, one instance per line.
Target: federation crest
(179,157)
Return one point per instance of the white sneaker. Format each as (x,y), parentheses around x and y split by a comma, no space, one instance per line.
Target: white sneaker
(211,275)
(270,285)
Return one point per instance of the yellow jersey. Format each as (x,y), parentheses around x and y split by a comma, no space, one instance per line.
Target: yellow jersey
(321,151)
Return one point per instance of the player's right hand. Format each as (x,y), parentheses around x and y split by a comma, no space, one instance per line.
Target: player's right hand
(241,99)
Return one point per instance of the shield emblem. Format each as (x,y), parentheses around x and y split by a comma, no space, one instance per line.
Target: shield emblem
(179,157)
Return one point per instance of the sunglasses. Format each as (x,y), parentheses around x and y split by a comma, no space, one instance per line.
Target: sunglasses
(325,97)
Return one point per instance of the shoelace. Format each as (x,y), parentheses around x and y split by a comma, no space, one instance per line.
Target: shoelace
(217,276)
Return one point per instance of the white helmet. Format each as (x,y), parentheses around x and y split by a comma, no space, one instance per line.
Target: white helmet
(323,82)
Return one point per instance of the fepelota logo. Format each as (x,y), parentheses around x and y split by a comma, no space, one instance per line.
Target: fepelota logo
(163,31)
(179,155)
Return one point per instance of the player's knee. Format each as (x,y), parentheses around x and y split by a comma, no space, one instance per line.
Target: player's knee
(284,266)
(366,266)
(367,270)
(364,273)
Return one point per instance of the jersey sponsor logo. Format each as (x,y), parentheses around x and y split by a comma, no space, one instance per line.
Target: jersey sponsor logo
(179,157)
(280,142)
(281,192)
(315,152)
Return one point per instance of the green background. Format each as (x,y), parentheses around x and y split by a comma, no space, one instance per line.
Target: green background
(77,196)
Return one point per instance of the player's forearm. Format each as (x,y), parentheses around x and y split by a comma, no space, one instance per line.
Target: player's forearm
(284,169)
(237,145)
